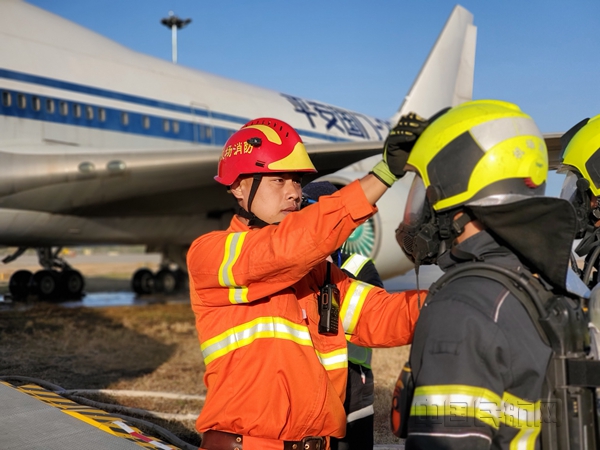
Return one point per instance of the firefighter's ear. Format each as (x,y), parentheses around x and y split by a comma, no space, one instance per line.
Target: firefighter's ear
(237,190)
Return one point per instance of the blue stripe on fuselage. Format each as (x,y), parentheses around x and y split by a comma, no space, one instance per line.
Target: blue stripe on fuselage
(189,131)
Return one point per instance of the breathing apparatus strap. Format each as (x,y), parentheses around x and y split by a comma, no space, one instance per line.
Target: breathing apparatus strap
(525,288)
(590,246)
(590,240)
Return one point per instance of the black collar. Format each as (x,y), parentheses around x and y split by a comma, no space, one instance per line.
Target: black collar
(481,247)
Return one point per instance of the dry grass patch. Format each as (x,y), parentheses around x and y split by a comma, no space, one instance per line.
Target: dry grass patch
(150,348)
(387,363)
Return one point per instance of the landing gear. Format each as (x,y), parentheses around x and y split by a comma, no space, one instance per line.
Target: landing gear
(18,284)
(143,282)
(165,281)
(169,279)
(71,284)
(56,281)
(44,284)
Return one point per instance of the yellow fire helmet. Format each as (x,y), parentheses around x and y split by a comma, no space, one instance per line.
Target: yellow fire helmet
(582,153)
(484,152)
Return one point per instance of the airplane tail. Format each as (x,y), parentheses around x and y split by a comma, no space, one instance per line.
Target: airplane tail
(446,78)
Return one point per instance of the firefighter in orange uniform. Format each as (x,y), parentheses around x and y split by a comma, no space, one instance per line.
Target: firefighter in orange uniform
(276,365)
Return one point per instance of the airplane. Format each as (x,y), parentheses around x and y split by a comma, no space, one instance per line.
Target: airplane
(103,145)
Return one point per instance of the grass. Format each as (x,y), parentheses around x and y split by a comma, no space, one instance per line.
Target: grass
(149,348)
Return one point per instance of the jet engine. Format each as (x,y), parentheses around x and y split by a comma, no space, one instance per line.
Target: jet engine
(376,237)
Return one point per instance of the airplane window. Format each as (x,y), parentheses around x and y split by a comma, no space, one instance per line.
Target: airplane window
(146,122)
(89,112)
(50,105)
(36,103)
(64,108)
(77,110)
(175,127)
(102,114)
(125,118)
(166,125)
(22,101)
(6,98)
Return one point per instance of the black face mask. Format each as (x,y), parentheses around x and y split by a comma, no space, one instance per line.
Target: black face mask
(420,240)
(586,215)
(586,219)
(424,235)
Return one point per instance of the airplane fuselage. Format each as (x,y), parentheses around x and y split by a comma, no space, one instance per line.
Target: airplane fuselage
(103,145)
(84,123)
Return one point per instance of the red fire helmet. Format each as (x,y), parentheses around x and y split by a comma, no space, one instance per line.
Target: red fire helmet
(264,145)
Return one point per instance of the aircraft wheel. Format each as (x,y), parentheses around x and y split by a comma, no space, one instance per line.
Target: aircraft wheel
(18,284)
(165,281)
(45,284)
(72,284)
(143,282)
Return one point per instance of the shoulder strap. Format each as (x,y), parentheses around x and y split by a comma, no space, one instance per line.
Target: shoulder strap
(529,291)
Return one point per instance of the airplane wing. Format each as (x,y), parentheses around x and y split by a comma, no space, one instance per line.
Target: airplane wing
(90,182)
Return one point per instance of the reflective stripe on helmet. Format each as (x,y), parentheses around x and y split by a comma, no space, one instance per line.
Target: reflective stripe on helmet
(490,134)
(233,248)
(352,305)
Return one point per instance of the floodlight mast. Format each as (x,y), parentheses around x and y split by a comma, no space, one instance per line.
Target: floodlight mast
(174,23)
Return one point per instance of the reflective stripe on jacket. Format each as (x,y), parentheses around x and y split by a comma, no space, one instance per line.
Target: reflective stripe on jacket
(357,355)
(269,373)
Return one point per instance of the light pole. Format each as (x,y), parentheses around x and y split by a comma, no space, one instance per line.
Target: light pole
(174,23)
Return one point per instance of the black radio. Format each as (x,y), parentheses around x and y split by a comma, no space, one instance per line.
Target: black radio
(329,307)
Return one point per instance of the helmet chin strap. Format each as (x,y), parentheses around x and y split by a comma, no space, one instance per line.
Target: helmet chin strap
(253,220)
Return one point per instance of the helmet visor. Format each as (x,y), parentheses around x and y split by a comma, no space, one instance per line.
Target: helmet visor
(569,187)
(414,209)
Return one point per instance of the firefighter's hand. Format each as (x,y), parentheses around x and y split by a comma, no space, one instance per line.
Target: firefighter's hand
(398,145)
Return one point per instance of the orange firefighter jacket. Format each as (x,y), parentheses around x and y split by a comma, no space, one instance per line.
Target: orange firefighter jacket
(269,373)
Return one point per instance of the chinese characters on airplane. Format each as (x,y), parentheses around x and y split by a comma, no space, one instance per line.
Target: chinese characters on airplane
(335,118)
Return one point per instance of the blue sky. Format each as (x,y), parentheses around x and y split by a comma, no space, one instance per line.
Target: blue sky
(543,55)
